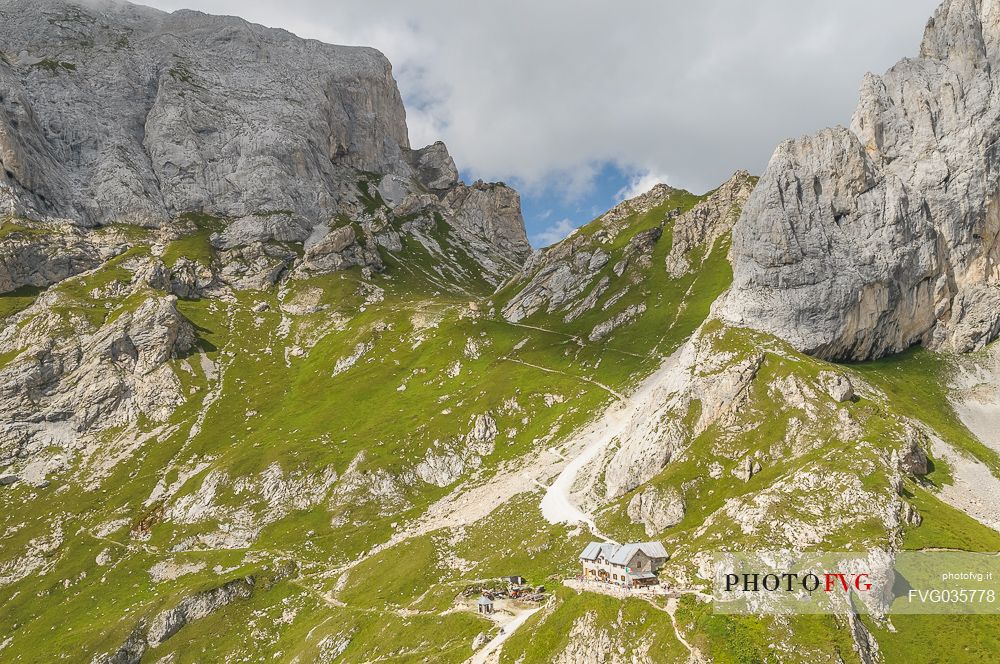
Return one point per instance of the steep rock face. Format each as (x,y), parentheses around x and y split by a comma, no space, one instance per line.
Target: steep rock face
(708,221)
(171,621)
(696,380)
(35,257)
(116,113)
(120,112)
(656,509)
(493,212)
(858,243)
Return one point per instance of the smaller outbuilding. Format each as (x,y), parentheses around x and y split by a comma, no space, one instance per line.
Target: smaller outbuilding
(485,605)
(515,580)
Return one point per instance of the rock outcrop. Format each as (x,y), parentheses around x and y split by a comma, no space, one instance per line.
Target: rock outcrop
(167,623)
(52,392)
(695,380)
(860,242)
(36,255)
(708,221)
(117,112)
(656,509)
(446,464)
(555,277)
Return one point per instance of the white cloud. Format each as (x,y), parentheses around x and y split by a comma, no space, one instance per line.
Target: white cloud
(639,184)
(553,233)
(541,92)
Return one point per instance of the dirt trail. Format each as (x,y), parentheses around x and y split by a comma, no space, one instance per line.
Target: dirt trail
(557,504)
(490,653)
(604,387)
(694,656)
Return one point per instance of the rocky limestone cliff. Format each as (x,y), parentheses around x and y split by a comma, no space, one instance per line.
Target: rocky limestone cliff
(860,242)
(249,158)
(557,275)
(708,221)
(117,113)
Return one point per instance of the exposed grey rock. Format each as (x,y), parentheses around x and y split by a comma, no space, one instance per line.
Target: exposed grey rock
(615,221)
(589,302)
(41,256)
(435,169)
(255,266)
(189,112)
(638,251)
(865,644)
(555,277)
(490,212)
(348,361)
(444,464)
(339,249)
(131,651)
(629,314)
(695,374)
(838,386)
(562,277)
(263,228)
(441,469)
(483,434)
(481,640)
(656,509)
(153,115)
(912,457)
(189,279)
(263,499)
(858,243)
(370,485)
(167,623)
(642,243)
(747,468)
(598,260)
(706,222)
(54,392)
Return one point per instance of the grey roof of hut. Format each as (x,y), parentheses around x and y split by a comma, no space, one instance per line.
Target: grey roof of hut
(620,554)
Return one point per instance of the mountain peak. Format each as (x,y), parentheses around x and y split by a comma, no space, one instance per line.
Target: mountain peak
(115,113)
(963,33)
(859,243)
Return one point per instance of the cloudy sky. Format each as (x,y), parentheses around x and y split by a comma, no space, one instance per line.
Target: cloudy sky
(578,103)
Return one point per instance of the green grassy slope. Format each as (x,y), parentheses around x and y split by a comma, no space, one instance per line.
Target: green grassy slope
(264,397)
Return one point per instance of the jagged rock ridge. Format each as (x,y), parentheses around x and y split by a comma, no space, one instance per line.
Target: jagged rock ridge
(556,278)
(861,242)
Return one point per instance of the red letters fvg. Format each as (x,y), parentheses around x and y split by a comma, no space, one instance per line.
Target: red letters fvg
(831,582)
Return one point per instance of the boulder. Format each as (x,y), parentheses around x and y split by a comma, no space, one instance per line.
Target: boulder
(838,386)
(912,457)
